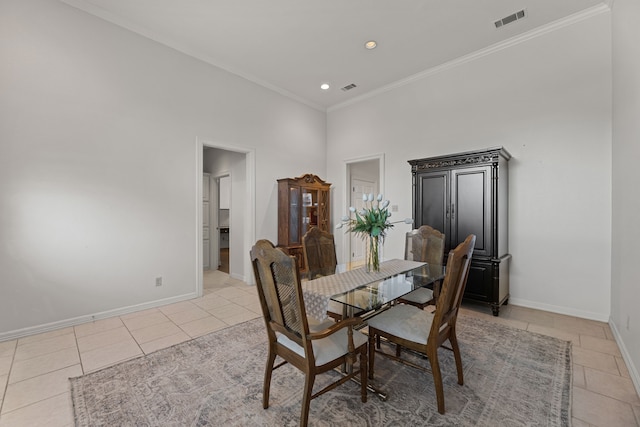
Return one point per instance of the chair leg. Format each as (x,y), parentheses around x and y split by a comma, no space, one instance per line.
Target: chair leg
(267,378)
(306,399)
(437,378)
(456,354)
(372,351)
(436,290)
(363,374)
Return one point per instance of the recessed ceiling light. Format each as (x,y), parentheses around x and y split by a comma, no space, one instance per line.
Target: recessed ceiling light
(371,44)
(324,86)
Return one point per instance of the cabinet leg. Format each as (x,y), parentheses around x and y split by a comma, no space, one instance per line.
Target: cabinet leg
(496,310)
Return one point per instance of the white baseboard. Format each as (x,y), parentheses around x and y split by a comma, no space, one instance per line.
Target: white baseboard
(633,371)
(600,317)
(32,330)
(238,277)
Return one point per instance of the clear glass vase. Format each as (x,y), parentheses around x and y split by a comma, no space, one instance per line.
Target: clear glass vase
(372,255)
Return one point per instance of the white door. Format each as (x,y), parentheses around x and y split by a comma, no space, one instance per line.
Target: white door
(358,188)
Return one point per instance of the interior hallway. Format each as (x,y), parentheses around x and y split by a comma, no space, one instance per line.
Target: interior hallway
(34,371)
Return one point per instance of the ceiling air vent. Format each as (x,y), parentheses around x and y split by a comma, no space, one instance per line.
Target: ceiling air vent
(349,87)
(509,19)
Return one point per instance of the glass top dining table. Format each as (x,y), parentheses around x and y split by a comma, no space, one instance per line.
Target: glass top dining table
(365,294)
(359,291)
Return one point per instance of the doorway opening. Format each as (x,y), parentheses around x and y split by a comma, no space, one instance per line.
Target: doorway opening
(232,188)
(363,176)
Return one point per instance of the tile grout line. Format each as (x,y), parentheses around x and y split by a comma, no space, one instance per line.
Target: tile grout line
(6,385)
(79,355)
(132,337)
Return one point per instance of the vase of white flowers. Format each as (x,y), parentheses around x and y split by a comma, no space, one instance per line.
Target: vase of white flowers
(372,254)
(371,223)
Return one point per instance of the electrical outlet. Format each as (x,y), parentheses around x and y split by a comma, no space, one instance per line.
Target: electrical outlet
(159,281)
(394,208)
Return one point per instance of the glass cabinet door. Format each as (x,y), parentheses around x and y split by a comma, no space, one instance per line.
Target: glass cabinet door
(295,236)
(322,210)
(309,209)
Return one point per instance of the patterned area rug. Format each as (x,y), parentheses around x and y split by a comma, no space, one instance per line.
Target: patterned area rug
(512,378)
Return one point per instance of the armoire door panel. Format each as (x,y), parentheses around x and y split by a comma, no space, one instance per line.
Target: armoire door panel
(433,207)
(471,208)
(479,281)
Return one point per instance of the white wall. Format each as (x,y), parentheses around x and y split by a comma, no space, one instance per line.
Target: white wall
(98,161)
(548,101)
(625,291)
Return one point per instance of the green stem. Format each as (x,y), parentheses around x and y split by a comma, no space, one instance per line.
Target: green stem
(373,258)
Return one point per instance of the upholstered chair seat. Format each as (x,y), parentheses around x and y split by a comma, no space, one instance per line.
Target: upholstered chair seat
(419,297)
(327,349)
(404,321)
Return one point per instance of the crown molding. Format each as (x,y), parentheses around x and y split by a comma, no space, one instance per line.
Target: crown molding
(167,41)
(532,34)
(99,12)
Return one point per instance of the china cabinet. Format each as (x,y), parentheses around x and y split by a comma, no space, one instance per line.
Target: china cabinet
(303,202)
(467,193)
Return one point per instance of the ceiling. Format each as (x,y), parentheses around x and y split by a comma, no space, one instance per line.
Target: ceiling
(293,46)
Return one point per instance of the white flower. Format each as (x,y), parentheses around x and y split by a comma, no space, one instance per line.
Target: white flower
(352,209)
(370,198)
(363,212)
(339,226)
(408,220)
(364,197)
(379,197)
(385,204)
(345,218)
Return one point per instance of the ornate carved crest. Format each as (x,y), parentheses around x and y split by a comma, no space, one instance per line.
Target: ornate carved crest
(307,178)
(462,159)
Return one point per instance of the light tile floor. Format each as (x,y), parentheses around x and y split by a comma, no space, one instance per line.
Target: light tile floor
(34,370)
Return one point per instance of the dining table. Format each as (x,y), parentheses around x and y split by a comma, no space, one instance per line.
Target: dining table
(367,293)
(360,291)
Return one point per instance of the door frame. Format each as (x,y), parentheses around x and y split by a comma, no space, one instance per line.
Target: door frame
(249,214)
(346,193)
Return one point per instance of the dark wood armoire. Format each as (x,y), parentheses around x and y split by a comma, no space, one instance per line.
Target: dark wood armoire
(467,193)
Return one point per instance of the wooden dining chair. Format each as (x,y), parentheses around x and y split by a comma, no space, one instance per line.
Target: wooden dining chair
(312,349)
(319,251)
(425,244)
(425,332)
